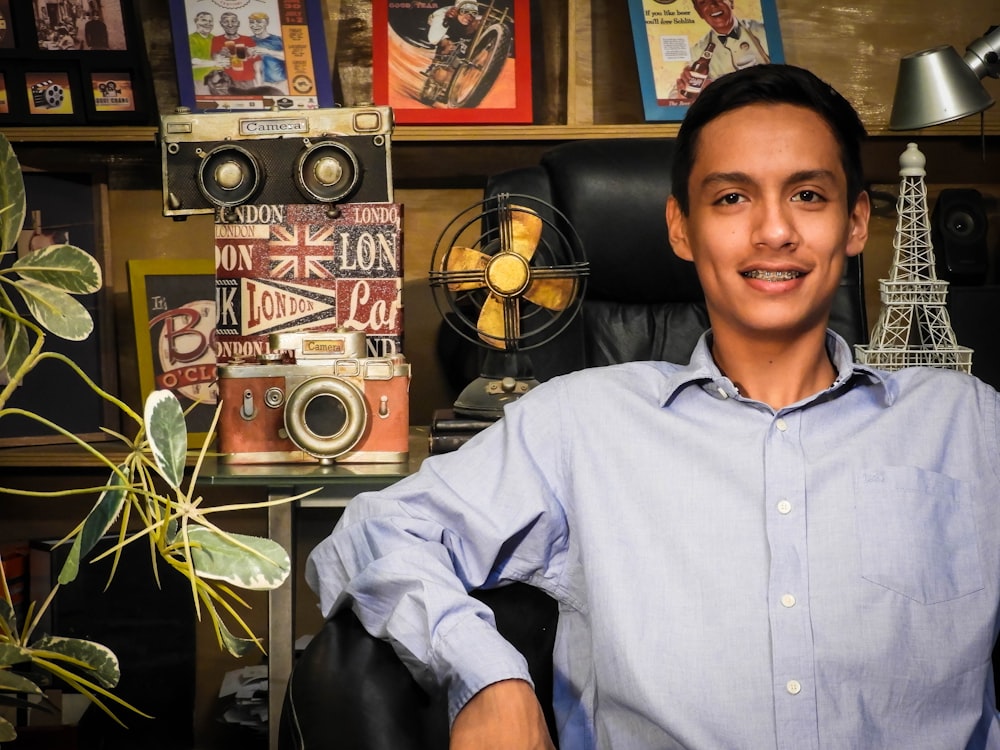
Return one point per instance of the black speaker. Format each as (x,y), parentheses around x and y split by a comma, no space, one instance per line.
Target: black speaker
(958,231)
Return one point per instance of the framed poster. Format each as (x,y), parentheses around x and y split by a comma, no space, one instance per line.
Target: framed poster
(173,308)
(681,46)
(51,51)
(453,62)
(235,55)
(67,208)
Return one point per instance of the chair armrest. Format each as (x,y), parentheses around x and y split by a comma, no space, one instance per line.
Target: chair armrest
(349,690)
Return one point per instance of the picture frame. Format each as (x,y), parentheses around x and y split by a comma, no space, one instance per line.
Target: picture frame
(425,87)
(72,40)
(173,311)
(670,37)
(68,207)
(271,53)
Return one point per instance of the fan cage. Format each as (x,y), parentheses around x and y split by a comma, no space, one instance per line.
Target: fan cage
(559,247)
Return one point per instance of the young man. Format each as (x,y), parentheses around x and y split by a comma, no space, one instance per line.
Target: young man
(770,546)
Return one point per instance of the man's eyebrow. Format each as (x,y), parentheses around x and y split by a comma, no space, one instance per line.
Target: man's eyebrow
(742,178)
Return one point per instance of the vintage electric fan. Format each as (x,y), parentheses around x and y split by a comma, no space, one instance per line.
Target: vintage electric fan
(508,274)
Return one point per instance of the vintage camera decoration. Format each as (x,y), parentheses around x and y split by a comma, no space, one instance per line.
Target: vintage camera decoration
(221,160)
(315,397)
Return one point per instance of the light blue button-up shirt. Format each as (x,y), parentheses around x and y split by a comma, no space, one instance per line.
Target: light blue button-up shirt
(728,576)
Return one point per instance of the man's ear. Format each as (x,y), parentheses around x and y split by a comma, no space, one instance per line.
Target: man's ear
(857,236)
(677,230)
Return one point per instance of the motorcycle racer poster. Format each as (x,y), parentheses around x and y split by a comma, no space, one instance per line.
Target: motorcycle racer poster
(453,62)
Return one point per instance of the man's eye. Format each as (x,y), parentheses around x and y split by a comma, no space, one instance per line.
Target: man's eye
(808,196)
(730,199)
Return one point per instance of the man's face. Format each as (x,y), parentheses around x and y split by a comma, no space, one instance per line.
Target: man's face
(230,23)
(768,229)
(716,13)
(203,23)
(258,26)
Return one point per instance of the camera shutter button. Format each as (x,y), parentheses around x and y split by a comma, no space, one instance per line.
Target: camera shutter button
(273,397)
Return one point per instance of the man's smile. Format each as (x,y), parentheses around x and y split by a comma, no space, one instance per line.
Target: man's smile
(772,275)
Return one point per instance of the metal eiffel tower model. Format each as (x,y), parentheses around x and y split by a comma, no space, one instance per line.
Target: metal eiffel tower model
(913,327)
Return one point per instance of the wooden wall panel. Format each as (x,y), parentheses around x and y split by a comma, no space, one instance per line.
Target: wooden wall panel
(856,46)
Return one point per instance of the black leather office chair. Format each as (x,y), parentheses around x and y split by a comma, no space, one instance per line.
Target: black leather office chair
(349,690)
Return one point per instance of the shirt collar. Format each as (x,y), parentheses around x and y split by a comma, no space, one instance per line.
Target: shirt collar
(701,369)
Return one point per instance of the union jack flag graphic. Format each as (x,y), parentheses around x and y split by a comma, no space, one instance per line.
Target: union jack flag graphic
(302,251)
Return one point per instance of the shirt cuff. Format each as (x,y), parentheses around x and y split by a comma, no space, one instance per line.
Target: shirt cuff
(473,655)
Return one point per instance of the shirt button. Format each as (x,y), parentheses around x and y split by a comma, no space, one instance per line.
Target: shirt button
(784,507)
(793,687)
(788,600)
(781,424)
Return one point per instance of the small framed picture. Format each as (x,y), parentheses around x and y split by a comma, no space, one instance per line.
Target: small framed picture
(113,96)
(445,62)
(681,47)
(4,98)
(53,96)
(7,38)
(250,56)
(173,308)
(94,25)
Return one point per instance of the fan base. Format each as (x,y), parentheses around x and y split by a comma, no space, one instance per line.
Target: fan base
(485,397)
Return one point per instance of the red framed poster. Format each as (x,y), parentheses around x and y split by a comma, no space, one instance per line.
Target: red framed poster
(453,62)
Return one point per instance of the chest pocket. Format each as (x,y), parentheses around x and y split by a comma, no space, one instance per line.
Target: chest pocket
(917,534)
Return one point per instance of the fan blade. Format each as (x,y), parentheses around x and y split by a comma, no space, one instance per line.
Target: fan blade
(552,294)
(461,259)
(491,325)
(526,231)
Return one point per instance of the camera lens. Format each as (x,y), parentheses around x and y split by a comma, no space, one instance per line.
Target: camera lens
(326,416)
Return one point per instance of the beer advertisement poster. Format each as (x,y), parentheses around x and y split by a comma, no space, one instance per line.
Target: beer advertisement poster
(173,309)
(308,267)
(264,55)
(443,62)
(681,46)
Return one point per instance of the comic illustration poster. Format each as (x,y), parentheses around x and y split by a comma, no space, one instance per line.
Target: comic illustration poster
(250,54)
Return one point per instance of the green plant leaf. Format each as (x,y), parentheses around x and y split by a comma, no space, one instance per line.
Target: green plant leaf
(101,660)
(167,434)
(65,267)
(98,521)
(262,567)
(12,654)
(233,644)
(8,616)
(14,345)
(7,733)
(55,310)
(18,683)
(12,205)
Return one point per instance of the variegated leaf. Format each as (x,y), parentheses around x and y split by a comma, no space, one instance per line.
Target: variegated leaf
(167,434)
(7,615)
(65,267)
(102,661)
(18,683)
(11,654)
(14,346)
(99,520)
(234,645)
(218,557)
(55,310)
(12,206)
(7,733)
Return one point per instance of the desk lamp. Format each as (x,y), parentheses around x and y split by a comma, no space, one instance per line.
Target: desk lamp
(937,86)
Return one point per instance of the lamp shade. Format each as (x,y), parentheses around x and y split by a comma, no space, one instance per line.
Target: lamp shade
(935,86)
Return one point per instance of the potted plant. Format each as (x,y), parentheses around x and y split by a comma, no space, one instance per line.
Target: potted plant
(146,499)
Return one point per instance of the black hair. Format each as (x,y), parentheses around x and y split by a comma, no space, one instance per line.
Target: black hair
(770,84)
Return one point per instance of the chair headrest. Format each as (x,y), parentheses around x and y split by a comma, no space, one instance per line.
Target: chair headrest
(614,192)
